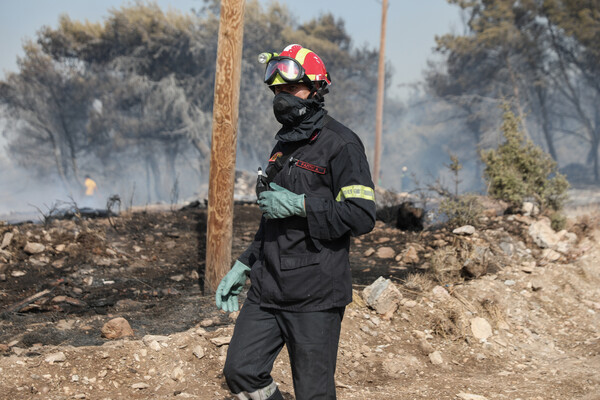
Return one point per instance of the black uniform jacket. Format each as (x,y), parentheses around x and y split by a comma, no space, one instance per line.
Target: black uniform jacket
(301,264)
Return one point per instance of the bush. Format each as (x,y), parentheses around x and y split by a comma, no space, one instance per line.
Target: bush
(464,209)
(519,170)
(558,221)
(461,210)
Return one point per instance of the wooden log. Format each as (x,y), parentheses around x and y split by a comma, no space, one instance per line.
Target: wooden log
(224,142)
(16,307)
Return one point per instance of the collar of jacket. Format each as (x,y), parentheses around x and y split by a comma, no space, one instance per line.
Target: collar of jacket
(305,130)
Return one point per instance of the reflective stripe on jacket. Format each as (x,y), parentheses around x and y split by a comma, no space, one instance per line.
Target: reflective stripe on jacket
(301,264)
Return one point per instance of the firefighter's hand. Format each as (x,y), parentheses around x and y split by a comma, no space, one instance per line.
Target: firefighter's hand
(281,203)
(231,285)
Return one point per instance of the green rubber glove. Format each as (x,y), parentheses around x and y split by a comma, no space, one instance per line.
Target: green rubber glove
(230,286)
(281,203)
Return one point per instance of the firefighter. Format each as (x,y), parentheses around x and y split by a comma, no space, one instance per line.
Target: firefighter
(90,186)
(320,194)
(91,192)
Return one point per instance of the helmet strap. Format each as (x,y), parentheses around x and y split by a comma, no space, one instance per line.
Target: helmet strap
(316,92)
(319,94)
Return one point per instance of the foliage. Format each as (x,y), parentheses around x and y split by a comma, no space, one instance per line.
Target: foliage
(542,55)
(46,106)
(461,210)
(458,209)
(558,221)
(519,170)
(455,166)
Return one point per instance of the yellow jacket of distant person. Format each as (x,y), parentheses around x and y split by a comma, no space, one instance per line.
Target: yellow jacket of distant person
(90,187)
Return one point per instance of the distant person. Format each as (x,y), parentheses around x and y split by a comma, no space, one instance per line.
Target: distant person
(90,186)
(91,191)
(321,193)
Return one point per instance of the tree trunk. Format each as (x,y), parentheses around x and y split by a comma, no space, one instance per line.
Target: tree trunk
(546,124)
(517,97)
(224,139)
(474,125)
(58,160)
(596,172)
(204,151)
(595,135)
(593,157)
(171,153)
(153,164)
(148,182)
(73,159)
(71,146)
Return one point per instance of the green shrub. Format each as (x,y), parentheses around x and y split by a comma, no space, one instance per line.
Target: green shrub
(461,210)
(518,170)
(558,221)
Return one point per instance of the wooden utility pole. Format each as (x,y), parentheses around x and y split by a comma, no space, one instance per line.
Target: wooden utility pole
(224,141)
(380,92)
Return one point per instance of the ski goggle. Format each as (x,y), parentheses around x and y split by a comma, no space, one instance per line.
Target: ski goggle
(288,69)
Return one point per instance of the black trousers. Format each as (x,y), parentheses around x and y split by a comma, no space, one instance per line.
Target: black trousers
(312,342)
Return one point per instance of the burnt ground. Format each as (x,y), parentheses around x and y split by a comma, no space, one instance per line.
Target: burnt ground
(147,267)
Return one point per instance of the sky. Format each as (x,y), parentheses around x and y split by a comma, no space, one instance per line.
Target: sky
(411,26)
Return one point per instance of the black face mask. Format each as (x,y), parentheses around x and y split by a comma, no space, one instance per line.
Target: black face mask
(300,118)
(291,110)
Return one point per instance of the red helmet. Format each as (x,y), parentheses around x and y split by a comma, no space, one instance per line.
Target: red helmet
(294,64)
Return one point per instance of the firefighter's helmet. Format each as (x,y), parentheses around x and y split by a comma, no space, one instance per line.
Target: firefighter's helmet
(295,64)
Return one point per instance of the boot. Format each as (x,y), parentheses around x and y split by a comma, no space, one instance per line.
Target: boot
(276,396)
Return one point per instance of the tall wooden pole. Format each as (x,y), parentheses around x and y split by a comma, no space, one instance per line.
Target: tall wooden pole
(380,93)
(224,141)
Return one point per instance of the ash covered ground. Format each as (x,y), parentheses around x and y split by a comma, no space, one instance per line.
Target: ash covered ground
(496,313)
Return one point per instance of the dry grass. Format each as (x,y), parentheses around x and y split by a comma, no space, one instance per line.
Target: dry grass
(583,224)
(418,282)
(495,313)
(449,320)
(445,265)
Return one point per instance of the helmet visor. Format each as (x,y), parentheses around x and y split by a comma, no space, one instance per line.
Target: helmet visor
(287,68)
